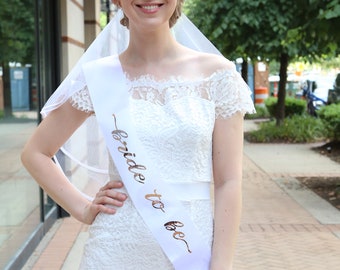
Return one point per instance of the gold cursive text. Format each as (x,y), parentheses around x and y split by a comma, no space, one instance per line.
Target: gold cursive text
(156,200)
(172,226)
(119,135)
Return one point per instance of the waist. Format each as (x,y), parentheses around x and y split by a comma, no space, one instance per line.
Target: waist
(191,191)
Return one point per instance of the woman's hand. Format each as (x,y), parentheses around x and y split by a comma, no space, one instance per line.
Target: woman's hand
(106,201)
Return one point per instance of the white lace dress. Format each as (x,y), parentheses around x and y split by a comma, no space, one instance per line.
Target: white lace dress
(175,121)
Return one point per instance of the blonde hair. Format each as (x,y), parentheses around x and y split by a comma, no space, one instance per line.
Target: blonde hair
(172,21)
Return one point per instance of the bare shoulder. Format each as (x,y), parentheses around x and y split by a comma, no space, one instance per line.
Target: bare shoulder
(208,63)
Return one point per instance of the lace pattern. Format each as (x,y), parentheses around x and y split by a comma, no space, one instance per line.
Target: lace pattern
(81,100)
(175,119)
(225,88)
(122,241)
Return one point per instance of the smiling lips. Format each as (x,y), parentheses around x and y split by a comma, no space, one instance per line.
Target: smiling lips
(150,8)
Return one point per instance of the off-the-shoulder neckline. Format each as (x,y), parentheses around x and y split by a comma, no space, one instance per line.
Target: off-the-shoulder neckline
(175,79)
(215,75)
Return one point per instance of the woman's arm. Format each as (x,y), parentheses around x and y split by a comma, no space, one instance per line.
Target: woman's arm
(227,169)
(37,155)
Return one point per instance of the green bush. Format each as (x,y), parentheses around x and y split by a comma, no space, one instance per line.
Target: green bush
(296,129)
(270,104)
(261,112)
(330,115)
(1,114)
(293,106)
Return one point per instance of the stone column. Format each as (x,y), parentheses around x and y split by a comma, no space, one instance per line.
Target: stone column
(72,33)
(92,20)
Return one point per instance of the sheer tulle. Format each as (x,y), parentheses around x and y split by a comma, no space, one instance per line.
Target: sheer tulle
(112,41)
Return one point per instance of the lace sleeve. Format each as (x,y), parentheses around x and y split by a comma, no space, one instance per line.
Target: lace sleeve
(81,100)
(232,95)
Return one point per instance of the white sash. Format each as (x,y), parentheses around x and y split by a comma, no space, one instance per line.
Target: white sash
(152,197)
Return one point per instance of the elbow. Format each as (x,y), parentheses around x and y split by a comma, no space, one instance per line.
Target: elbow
(234,182)
(31,156)
(228,179)
(25,156)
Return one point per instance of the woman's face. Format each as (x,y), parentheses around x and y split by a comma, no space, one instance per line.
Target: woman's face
(148,13)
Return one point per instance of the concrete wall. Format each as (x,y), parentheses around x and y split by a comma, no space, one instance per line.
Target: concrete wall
(72,33)
(92,20)
(79,27)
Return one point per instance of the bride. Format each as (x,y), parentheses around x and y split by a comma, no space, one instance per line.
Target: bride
(186,109)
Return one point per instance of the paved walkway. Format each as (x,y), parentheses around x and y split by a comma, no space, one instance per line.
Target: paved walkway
(284,225)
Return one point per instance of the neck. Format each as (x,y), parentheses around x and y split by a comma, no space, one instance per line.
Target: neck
(150,47)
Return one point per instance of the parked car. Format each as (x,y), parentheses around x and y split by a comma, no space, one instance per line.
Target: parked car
(318,85)
(315,89)
(314,102)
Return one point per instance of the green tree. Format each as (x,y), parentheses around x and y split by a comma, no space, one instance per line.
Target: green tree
(16,39)
(269,29)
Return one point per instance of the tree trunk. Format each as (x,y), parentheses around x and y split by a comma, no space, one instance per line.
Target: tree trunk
(108,11)
(7,90)
(280,108)
(244,71)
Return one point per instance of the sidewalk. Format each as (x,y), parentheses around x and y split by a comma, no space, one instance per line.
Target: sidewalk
(284,225)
